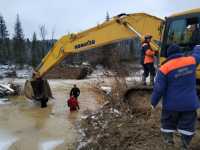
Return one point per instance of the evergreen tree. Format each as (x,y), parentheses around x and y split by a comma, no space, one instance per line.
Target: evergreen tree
(3,29)
(28,51)
(19,43)
(34,54)
(4,41)
(107,16)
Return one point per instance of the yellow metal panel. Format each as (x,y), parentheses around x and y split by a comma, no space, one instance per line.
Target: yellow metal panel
(146,24)
(198,72)
(162,59)
(192,11)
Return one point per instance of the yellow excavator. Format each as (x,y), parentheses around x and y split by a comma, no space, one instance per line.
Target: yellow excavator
(121,27)
(178,28)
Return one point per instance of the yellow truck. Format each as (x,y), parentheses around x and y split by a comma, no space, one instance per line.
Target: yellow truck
(181,28)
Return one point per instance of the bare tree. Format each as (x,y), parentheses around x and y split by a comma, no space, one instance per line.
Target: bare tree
(43,32)
(53,33)
(107,16)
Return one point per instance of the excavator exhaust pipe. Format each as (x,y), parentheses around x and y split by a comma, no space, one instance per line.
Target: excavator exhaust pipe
(38,90)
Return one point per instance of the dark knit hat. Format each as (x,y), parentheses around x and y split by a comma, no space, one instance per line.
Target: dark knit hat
(173,49)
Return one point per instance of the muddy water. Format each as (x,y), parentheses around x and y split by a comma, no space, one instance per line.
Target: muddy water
(25,126)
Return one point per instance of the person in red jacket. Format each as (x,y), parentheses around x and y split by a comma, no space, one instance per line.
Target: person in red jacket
(72,103)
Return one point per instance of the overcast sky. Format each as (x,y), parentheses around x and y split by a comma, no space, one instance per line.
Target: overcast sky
(65,16)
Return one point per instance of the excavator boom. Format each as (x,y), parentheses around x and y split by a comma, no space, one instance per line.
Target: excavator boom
(118,28)
(121,27)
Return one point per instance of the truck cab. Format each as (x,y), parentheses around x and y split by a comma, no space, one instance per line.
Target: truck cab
(183,29)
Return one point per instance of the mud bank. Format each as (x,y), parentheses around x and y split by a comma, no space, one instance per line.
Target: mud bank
(120,127)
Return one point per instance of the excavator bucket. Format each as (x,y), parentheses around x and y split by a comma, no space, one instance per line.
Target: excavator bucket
(137,88)
(37,89)
(28,90)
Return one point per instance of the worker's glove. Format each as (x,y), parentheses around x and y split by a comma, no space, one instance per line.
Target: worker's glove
(150,111)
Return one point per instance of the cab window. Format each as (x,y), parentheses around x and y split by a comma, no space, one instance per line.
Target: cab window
(184,32)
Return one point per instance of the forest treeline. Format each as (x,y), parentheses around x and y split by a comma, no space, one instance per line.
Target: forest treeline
(19,50)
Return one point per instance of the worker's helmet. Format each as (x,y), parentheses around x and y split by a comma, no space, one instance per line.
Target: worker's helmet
(148,36)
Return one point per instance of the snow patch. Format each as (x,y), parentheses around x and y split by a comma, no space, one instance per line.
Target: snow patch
(6,140)
(115,111)
(50,145)
(84,117)
(106,89)
(4,101)
(83,144)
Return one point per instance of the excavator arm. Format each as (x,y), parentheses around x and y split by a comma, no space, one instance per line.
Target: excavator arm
(118,28)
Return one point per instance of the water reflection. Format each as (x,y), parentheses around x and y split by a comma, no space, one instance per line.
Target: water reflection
(6,140)
(50,145)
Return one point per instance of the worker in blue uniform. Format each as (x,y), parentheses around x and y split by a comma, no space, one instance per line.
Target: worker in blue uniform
(176,83)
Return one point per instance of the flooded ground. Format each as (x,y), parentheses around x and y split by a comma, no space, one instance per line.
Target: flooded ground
(25,126)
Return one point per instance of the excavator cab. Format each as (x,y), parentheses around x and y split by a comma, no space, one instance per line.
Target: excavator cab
(182,29)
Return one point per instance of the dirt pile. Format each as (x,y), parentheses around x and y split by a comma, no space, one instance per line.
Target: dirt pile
(119,127)
(69,72)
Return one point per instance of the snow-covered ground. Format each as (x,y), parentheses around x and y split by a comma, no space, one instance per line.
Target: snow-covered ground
(12,70)
(24,73)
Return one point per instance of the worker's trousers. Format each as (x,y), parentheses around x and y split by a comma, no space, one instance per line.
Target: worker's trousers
(148,69)
(184,121)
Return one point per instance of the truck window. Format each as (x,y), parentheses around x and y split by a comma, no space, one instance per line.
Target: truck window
(185,32)
(176,31)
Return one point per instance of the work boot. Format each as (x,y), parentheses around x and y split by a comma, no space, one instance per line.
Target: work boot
(168,139)
(144,80)
(185,141)
(151,80)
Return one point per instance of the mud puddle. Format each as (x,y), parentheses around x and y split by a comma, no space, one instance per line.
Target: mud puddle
(24,125)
